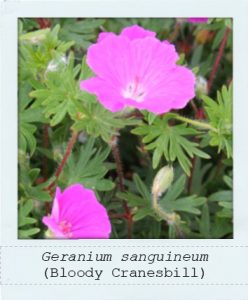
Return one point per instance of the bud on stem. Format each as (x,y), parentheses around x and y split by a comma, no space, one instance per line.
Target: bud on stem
(161,183)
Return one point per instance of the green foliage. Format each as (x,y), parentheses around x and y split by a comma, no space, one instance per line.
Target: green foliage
(83,32)
(52,62)
(29,116)
(170,141)
(171,202)
(37,49)
(59,99)
(224,200)
(220,117)
(28,188)
(141,201)
(24,221)
(87,167)
(94,118)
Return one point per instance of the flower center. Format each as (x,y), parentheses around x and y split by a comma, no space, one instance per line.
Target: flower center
(65,227)
(134,90)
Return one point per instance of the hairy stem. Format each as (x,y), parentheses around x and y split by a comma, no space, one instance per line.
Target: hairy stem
(69,148)
(170,218)
(218,59)
(175,33)
(119,170)
(196,123)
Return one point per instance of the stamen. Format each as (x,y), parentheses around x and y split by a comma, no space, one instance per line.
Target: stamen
(65,228)
(134,90)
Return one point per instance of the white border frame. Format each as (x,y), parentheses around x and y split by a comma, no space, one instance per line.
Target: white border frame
(11,11)
(183,8)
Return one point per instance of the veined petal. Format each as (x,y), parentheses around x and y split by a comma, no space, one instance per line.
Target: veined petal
(106,93)
(172,91)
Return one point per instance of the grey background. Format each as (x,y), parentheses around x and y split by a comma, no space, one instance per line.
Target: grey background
(24,263)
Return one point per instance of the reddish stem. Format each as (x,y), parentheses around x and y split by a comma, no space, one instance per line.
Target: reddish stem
(69,148)
(218,59)
(190,181)
(174,34)
(119,170)
(43,23)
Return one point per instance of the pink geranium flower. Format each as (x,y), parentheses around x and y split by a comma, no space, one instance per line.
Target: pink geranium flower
(198,20)
(77,214)
(136,69)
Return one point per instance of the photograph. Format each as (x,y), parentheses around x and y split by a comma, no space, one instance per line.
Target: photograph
(125,128)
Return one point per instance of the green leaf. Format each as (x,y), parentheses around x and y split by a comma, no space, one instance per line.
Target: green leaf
(219,114)
(80,31)
(205,222)
(141,188)
(87,167)
(175,190)
(142,213)
(27,233)
(221,196)
(170,141)
(97,121)
(186,204)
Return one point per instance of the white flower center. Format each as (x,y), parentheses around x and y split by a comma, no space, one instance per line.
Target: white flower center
(134,90)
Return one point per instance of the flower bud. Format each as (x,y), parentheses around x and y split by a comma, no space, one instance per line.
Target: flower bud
(162,180)
(57,64)
(201,86)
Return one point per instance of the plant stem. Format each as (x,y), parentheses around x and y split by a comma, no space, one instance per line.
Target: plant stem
(218,59)
(196,123)
(43,23)
(119,170)
(170,218)
(117,158)
(69,148)
(175,33)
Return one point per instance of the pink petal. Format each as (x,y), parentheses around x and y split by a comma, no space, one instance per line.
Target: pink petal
(52,224)
(55,209)
(110,60)
(80,207)
(138,70)
(136,32)
(107,94)
(198,20)
(172,91)
(150,55)
(103,35)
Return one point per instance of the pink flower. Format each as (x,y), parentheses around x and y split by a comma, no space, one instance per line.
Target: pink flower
(136,69)
(198,20)
(77,214)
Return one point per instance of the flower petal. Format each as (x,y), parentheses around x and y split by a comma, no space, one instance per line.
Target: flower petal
(52,224)
(172,91)
(136,32)
(198,20)
(80,208)
(110,60)
(103,35)
(55,209)
(107,94)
